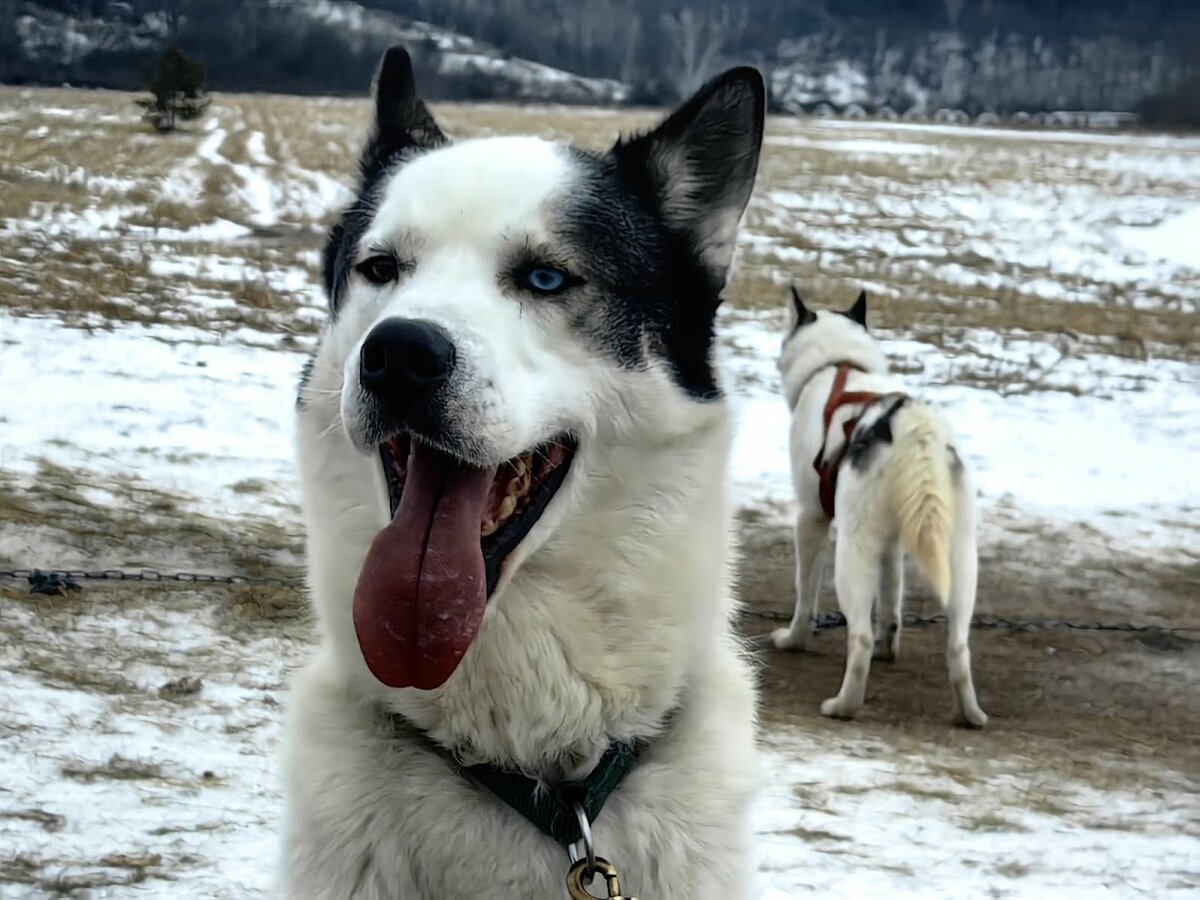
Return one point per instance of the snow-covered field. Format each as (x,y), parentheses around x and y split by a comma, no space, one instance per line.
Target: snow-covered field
(157,300)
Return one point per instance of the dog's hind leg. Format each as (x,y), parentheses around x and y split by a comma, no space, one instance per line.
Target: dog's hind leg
(888,617)
(857,573)
(964,575)
(812,534)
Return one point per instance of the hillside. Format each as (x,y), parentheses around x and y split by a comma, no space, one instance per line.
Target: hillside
(918,56)
(985,55)
(286,46)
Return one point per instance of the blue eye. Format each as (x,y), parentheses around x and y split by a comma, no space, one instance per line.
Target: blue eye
(545,280)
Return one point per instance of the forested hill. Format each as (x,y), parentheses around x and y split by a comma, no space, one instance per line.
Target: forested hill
(975,55)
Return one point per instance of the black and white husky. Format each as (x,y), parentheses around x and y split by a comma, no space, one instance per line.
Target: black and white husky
(513,450)
(886,463)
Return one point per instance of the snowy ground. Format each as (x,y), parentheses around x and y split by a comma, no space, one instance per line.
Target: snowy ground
(156,302)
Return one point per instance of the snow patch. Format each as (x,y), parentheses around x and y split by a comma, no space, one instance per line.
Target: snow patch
(865,835)
(186,414)
(868,147)
(1176,239)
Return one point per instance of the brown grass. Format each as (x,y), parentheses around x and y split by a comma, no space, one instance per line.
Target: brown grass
(923,791)
(111,870)
(48,820)
(121,165)
(816,835)
(990,822)
(181,688)
(1012,869)
(93,676)
(116,768)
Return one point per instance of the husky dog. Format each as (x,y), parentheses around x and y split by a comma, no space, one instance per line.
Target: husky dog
(513,452)
(887,463)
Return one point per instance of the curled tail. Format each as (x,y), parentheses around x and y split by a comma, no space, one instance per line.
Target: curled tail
(920,489)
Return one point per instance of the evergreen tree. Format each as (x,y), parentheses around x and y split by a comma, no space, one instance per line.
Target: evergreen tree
(176,85)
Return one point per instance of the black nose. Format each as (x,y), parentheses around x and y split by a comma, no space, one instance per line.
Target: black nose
(405,358)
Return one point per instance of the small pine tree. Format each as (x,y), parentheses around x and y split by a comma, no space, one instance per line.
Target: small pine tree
(176,84)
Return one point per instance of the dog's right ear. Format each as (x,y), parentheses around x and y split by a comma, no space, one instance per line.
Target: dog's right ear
(858,312)
(402,121)
(804,315)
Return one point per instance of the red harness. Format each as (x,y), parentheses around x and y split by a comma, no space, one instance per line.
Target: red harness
(827,470)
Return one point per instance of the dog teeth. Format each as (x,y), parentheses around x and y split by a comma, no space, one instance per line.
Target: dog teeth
(489,527)
(520,466)
(507,507)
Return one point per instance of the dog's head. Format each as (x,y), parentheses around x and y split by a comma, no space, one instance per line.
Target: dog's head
(814,339)
(492,302)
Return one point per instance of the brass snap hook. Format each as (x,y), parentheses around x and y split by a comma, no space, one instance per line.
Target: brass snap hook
(603,868)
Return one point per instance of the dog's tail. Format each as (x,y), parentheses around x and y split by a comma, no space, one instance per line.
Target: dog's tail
(920,489)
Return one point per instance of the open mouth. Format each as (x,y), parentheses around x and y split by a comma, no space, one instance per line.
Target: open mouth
(425,582)
(519,493)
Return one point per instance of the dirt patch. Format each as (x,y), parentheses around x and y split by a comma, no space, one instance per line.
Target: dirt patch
(48,820)
(1060,698)
(74,518)
(114,869)
(116,768)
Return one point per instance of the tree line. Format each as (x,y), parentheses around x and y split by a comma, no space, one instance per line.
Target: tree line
(662,48)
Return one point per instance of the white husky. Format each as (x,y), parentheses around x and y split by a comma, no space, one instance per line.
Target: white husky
(513,452)
(887,464)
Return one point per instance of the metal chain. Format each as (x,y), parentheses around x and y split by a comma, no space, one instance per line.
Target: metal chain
(57,581)
(826,621)
(37,577)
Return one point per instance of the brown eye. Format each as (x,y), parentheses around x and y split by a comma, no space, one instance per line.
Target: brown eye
(379,269)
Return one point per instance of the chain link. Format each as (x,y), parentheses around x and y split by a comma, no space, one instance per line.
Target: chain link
(58,581)
(826,621)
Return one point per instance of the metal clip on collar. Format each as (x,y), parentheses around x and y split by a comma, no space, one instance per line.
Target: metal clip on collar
(585,866)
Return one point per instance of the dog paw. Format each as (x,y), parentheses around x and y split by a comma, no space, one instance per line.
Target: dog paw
(785,639)
(884,651)
(972,718)
(835,709)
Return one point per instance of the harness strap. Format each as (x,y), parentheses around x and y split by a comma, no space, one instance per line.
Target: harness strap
(827,469)
(550,808)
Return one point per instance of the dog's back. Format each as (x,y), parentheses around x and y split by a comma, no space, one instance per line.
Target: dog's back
(903,451)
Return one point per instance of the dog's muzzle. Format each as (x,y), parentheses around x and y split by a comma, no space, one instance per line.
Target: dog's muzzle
(454,518)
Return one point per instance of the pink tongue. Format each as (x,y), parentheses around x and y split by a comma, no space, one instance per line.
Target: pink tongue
(422,590)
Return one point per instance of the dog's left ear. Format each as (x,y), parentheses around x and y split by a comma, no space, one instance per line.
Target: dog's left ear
(804,315)
(858,312)
(402,120)
(700,163)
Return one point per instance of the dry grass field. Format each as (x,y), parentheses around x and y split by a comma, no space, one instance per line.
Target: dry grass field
(157,297)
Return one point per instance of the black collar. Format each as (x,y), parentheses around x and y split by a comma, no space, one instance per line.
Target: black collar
(551,808)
